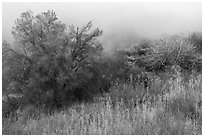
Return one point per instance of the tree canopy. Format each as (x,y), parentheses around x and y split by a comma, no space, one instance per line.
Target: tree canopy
(49,59)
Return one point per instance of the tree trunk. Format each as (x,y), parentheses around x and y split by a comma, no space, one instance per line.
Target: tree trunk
(56,99)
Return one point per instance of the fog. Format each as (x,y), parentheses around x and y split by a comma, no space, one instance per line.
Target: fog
(122,23)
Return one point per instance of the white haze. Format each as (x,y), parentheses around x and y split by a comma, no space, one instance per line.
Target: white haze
(122,23)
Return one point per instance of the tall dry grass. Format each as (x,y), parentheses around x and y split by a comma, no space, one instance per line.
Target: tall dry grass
(177,111)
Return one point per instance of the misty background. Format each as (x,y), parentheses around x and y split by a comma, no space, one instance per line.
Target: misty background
(122,23)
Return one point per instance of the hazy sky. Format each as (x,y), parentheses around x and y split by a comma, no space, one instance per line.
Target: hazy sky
(124,22)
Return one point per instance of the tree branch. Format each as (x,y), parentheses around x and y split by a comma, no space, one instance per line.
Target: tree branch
(20,55)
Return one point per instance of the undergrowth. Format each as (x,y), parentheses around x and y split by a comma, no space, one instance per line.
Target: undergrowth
(177,111)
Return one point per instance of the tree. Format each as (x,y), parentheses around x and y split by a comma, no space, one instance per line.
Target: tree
(52,59)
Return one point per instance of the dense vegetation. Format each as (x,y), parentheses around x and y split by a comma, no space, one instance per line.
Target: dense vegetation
(58,80)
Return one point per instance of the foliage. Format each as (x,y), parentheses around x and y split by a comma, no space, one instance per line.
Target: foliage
(174,50)
(105,118)
(148,88)
(171,50)
(52,64)
(196,39)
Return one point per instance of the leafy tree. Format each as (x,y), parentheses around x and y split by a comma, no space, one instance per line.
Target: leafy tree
(51,61)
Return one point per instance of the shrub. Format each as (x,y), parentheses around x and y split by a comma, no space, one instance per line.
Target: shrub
(196,39)
(173,50)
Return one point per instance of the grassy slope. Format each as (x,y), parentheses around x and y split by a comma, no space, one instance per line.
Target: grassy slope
(172,114)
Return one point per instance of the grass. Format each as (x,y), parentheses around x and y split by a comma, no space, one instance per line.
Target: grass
(177,111)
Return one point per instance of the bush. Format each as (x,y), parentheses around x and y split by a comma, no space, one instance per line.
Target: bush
(11,103)
(196,39)
(173,50)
